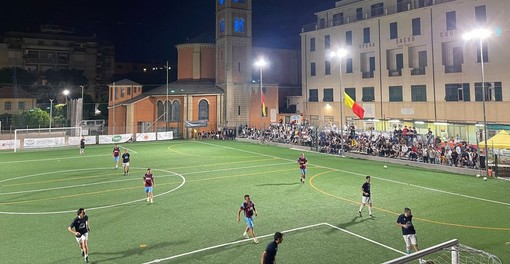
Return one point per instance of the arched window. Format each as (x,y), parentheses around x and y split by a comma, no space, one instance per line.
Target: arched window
(176,111)
(222,25)
(168,109)
(239,25)
(160,111)
(203,110)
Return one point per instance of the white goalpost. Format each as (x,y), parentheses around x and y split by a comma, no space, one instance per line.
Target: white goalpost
(37,138)
(450,252)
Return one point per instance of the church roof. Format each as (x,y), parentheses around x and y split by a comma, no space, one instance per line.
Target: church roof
(188,86)
(181,87)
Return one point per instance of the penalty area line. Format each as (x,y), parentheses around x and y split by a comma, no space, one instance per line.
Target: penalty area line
(228,244)
(269,235)
(130,150)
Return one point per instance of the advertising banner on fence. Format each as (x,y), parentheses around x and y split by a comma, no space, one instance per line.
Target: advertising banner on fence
(44,142)
(112,139)
(165,135)
(8,144)
(145,136)
(75,141)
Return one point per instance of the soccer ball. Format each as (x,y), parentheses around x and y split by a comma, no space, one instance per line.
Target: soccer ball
(484,178)
(385,166)
(477,175)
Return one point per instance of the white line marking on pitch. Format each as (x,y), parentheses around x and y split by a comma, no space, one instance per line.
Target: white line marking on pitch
(375,177)
(63,158)
(269,235)
(130,150)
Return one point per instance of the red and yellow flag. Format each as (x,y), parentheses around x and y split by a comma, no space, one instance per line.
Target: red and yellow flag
(356,108)
(263,103)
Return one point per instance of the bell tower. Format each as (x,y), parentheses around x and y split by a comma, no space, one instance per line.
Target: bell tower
(234,58)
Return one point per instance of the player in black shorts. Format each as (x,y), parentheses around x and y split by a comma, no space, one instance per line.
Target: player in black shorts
(81,230)
(125,161)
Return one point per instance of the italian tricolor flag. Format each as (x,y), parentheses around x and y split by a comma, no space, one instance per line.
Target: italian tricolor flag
(356,108)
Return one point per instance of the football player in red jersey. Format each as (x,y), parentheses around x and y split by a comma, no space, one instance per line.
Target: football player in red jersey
(116,155)
(303,162)
(148,180)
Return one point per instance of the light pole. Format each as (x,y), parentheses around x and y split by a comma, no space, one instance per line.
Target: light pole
(51,112)
(82,102)
(482,34)
(340,54)
(261,63)
(66,93)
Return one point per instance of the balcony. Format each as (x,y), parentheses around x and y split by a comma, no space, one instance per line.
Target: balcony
(367,75)
(394,73)
(452,68)
(418,71)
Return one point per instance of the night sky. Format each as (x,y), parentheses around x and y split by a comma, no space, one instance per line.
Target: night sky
(144,31)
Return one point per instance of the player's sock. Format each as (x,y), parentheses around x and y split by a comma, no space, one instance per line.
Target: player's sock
(245,235)
(82,253)
(370,211)
(360,208)
(151,200)
(147,199)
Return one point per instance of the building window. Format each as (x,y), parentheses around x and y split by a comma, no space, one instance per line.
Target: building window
(348,38)
(377,10)
(160,110)
(239,1)
(312,69)
(416,26)
(351,92)
(312,44)
(21,106)
(485,52)
(313,95)
(116,92)
(328,95)
(327,43)
(122,91)
(393,30)
(396,94)
(338,19)
(222,25)
(203,110)
(480,14)
(457,92)
(366,35)
(493,92)
(176,111)
(359,14)
(7,106)
(451,20)
(368,94)
(402,5)
(327,67)
(418,93)
(239,25)
(348,64)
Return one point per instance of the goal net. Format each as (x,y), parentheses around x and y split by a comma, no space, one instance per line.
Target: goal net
(37,138)
(450,252)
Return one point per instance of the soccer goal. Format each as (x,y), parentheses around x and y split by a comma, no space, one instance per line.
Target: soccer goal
(450,252)
(36,138)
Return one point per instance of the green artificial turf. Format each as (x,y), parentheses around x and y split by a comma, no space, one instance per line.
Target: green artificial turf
(200,186)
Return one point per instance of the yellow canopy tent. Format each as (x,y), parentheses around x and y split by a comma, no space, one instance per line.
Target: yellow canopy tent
(500,141)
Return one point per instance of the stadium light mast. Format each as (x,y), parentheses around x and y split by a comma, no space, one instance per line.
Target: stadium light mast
(261,63)
(481,34)
(341,53)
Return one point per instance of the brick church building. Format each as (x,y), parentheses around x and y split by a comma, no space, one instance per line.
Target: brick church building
(218,84)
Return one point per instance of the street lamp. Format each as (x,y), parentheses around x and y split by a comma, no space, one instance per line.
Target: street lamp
(261,63)
(481,34)
(340,54)
(66,93)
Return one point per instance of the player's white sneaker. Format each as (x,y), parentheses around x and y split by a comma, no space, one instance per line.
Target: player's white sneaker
(245,235)
(147,199)
(151,200)
(255,241)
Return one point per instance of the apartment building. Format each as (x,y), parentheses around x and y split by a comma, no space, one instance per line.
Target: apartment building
(408,63)
(56,47)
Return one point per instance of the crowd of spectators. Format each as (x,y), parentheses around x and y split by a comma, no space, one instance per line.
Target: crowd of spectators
(402,143)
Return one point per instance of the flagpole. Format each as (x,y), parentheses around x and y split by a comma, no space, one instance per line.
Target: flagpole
(341,109)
